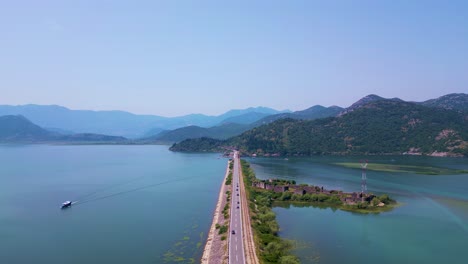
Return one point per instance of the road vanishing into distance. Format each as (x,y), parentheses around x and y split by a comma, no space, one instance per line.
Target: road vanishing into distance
(236,239)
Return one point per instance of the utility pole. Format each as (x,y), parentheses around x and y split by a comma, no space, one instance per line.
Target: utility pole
(363,178)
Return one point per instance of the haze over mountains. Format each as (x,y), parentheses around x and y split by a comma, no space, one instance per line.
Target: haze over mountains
(120,123)
(59,124)
(16,128)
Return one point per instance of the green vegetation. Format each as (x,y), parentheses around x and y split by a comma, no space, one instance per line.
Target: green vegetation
(226,206)
(223,229)
(404,168)
(377,127)
(271,248)
(203,144)
(229,178)
(223,131)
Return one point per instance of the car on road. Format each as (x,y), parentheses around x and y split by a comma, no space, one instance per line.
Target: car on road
(233,232)
(237,202)
(237,207)
(237,194)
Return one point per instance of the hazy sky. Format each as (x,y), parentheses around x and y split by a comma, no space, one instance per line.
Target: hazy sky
(178,57)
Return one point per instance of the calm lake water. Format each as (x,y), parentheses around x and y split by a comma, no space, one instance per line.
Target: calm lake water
(431,226)
(145,204)
(137,204)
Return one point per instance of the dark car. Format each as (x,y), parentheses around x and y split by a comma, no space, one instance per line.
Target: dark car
(237,207)
(237,202)
(237,194)
(233,232)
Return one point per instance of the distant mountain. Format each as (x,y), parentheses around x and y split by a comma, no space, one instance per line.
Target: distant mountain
(259,109)
(84,121)
(455,101)
(239,124)
(318,111)
(16,128)
(223,131)
(384,126)
(311,113)
(117,123)
(153,132)
(247,118)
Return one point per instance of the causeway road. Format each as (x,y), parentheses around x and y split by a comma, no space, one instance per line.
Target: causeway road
(236,239)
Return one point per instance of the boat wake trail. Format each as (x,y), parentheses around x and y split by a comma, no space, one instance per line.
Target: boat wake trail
(78,202)
(84,197)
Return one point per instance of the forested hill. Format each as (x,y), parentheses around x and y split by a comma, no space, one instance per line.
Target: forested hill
(378,127)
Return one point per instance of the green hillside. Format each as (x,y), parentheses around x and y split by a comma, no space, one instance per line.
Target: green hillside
(378,127)
(223,131)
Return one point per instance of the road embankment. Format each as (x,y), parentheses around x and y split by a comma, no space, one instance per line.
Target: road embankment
(215,251)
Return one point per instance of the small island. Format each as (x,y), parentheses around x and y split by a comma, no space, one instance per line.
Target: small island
(281,191)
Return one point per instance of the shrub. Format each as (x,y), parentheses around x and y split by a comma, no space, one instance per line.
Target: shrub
(223,229)
(384,199)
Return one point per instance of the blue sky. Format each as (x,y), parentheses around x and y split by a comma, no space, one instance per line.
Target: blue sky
(177,57)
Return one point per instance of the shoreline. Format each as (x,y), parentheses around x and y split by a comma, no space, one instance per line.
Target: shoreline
(215,250)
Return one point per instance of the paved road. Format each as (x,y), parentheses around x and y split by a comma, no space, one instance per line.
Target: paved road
(236,244)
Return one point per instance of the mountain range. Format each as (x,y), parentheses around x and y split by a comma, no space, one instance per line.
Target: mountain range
(372,125)
(237,125)
(120,123)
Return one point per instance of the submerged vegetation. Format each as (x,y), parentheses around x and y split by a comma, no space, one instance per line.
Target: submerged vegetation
(404,168)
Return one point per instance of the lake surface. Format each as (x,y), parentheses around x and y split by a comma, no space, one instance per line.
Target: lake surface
(136,204)
(431,225)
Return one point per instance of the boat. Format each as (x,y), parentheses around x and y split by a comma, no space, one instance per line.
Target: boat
(66,204)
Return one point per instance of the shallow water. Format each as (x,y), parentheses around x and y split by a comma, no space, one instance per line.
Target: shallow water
(136,204)
(430,226)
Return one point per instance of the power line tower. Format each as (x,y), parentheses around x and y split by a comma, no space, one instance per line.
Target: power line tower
(364,177)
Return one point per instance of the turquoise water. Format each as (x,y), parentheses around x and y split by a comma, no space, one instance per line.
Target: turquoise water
(143,203)
(431,226)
